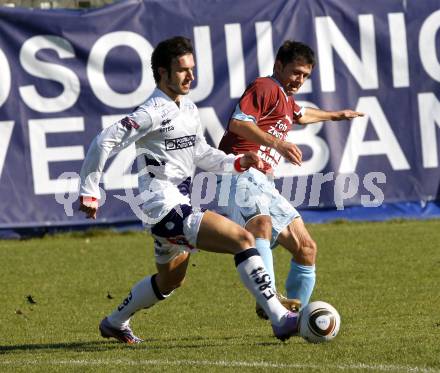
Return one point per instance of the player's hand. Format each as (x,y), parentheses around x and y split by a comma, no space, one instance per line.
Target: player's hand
(251,159)
(347,114)
(89,205)
(289,151)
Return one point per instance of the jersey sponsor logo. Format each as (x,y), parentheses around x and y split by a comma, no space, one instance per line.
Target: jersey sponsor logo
(273,131)
(166,129)
(129,123)
(180,142)
(269,156)
(165,122)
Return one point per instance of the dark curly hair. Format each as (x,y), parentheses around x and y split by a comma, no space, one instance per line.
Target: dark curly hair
(292,51)
(166,50)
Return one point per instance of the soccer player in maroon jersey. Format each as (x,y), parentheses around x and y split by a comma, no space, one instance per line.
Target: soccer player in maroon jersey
(261,121)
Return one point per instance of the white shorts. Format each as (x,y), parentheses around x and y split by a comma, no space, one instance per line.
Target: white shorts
(176,233)
(251,194)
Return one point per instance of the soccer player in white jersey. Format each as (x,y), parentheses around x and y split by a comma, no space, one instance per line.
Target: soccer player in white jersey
(168,135)
(260,123)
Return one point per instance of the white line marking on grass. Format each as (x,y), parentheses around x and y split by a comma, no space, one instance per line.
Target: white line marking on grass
(222,363)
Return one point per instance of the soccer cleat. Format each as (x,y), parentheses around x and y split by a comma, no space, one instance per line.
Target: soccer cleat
(124,335)
(293,305)
(289,327)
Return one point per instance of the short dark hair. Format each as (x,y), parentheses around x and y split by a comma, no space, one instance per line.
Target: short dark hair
(166,51)
(291,51)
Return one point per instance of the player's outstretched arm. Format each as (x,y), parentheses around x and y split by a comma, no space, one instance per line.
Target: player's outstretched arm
(313,115)
(107,143)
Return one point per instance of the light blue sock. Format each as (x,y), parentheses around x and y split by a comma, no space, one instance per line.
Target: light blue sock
(263,247)
(300,282)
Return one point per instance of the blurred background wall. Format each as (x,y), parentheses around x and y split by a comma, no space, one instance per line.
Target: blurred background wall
(51,4)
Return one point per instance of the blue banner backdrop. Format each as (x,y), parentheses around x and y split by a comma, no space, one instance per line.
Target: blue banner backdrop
(66,74)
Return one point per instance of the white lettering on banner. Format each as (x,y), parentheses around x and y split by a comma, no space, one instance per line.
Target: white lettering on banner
(264,48)
(363,69)
(68,199)
(197,188)
(234,54)
(300,191)
(317,181)
(205,67)
(307,135)
(5,138)
(399,49)
(96,76)
(375,191)
(5,86)
(386,145)
(225,189)
(341,193)
(118,175)
(346,186)
(429,114)
(211,124)
(46,70)
(428,45)
(41,155)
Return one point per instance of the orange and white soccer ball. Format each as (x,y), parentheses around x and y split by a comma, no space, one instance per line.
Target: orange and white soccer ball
(319,322)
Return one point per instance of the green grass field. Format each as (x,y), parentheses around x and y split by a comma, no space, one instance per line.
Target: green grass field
(384,278)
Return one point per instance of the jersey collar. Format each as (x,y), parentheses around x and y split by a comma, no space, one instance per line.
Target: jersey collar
(280,86)
(159,93)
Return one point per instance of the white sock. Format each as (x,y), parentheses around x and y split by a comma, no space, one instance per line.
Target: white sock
(143,295)
(254,276)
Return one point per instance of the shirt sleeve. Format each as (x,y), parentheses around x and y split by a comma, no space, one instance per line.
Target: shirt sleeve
(209,158)
(254,104)
(110,141)
(298,111)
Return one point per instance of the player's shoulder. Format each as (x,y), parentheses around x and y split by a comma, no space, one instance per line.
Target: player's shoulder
(263,86)
(265,82)
(158,105)
(155,102)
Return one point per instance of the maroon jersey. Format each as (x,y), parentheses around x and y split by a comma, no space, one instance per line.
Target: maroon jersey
(265,104)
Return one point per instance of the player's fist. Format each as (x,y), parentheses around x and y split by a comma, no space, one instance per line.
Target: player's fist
(250,159)
(289,151)
(89,205)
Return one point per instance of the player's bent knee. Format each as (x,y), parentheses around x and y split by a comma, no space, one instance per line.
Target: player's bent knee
(244,240)
(248,240)
(260,226)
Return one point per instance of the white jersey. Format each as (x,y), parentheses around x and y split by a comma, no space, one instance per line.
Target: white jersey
(169,143)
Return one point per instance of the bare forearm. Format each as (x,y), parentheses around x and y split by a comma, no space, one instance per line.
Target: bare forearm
(313,115)
(251,132)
